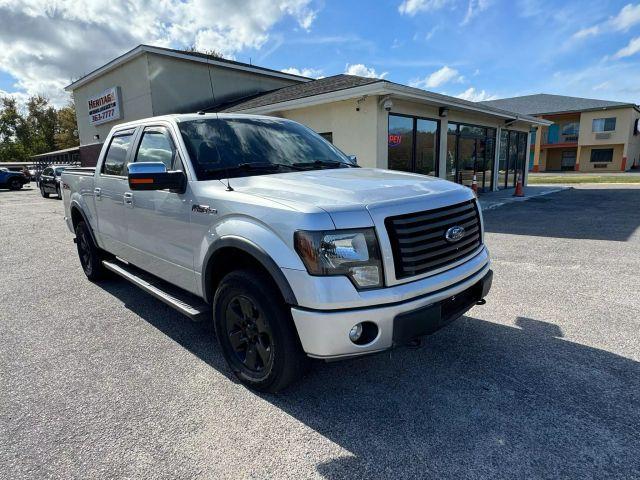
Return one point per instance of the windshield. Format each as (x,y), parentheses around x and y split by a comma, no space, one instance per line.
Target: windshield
(59,171)
(234,147)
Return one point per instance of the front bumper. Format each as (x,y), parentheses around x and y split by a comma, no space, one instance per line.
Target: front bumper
(325,334)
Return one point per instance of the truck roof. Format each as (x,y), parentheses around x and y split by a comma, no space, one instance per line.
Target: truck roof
(183,117)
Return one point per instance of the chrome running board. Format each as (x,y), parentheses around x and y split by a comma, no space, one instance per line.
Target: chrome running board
(184,302)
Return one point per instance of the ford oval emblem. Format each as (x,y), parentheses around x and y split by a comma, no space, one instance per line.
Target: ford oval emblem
(454,234)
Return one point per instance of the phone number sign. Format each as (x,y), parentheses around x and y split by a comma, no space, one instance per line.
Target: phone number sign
(104,107)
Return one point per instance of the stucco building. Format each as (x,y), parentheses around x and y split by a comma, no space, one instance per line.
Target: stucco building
(587,135)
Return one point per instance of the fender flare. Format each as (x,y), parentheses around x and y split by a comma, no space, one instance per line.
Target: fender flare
(258,253)
(76,206)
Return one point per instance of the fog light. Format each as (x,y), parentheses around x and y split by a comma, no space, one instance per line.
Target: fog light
(355,333)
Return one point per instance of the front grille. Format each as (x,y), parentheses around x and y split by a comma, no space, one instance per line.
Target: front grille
(418,239)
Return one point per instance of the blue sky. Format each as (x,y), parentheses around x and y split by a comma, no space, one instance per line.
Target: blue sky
(476,49)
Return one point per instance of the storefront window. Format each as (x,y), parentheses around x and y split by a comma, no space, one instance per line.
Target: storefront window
(470,151)
(400,143)
(513,150)
(413,144)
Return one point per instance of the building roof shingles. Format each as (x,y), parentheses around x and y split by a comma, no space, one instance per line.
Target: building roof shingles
(302,90)
(545,103)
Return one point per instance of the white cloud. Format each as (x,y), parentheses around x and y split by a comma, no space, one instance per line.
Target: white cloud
(474,8)
(474,95)
(45,45)
(411,7)
(626,18)
(304,72)
(587,32)
(439,77)
(363,71)
(606,85)
(632,48)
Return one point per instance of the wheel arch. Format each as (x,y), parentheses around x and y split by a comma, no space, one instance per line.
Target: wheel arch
(77,215)
(231,252)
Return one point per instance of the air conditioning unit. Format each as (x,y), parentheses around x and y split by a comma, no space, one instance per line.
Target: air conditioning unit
(602,136)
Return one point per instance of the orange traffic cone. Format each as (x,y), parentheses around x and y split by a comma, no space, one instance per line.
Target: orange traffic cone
(519,190)
(474,185)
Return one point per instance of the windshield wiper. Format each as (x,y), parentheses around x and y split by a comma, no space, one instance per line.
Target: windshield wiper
(253,167)
(321,164)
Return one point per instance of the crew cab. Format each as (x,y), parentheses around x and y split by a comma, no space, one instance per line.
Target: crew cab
(265,229)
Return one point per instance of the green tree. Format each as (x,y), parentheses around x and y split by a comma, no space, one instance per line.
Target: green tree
(35,128)
(66,135)
(12,131)
(210,52)
(41,123)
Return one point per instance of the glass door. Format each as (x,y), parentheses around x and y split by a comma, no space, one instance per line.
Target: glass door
(426,160)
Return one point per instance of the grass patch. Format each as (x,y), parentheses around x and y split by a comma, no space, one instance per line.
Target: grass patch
(534,180)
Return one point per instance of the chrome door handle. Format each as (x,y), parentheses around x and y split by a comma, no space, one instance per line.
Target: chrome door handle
(128,199)
(97,192)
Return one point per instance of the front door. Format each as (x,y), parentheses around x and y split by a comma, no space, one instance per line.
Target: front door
(568,161)
(158,221)
(109,189)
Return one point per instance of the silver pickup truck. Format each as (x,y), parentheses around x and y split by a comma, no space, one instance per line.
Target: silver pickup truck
(264,228)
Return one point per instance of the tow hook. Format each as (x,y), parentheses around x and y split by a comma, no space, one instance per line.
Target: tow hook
(482,301)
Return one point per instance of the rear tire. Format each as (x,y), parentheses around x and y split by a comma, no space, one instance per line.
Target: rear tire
(255,331)
(43,193)
(15,184)
(58,192)
(90,255)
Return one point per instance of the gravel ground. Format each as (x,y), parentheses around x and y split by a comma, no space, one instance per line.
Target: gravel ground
(103,381)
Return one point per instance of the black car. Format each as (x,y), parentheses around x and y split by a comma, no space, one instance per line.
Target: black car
(50,181)
(12,180)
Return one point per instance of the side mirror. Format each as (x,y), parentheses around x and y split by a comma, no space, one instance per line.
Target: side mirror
(353,159)
(154,176)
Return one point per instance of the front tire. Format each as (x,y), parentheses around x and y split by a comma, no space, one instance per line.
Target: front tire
(90,255)
(15,184)
(256,333)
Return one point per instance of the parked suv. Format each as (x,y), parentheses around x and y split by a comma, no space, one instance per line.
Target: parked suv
(261,226)
(50,181)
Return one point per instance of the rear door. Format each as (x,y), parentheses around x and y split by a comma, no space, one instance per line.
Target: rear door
(158,221)
(110,186)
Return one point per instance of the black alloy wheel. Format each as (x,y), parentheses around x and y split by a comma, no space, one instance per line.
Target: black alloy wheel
(15,184)
(256,333)
(90,255)
(249,334)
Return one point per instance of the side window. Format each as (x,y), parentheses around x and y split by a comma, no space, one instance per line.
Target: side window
(156,146)
(47,171)
(114,162)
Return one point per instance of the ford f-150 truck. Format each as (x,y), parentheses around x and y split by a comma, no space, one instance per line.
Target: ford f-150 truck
(279,239)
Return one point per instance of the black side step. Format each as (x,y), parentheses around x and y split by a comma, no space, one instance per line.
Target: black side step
(186,303)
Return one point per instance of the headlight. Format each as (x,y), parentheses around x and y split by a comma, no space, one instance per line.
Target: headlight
(353,253)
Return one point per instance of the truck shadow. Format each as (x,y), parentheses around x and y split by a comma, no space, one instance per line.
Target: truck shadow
(477,400)
(596,214)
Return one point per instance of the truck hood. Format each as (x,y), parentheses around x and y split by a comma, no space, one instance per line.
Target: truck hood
(346,188)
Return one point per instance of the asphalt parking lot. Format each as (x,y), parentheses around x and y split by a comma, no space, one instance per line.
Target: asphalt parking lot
(103,381)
